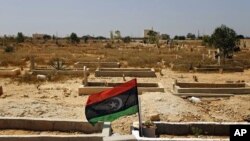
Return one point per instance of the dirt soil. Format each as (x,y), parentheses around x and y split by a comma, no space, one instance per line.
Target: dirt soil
(60,100)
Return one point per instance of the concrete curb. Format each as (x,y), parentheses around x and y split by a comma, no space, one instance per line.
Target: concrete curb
(210,89)
(10,72)
(127,72)
(91,133)
(185,128)
(99,86)
(52,138)
(97,64)
(120,138)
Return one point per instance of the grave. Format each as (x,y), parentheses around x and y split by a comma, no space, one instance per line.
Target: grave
(128,72)
(57,67)
(70,130)
(217,68)
(180,67)
(48,71)
(97,64)
(189,131)
(210,89)
(95,87)
(9,72)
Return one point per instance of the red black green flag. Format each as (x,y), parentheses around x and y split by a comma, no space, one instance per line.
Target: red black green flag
(113,103)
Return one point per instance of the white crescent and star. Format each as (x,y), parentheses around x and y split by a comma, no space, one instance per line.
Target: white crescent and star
(113,104)
(116,103)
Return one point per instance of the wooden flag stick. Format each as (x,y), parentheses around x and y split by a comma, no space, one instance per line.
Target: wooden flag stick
(139,111)
(139,115)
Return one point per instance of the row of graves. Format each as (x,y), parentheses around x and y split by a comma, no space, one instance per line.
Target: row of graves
(72,130)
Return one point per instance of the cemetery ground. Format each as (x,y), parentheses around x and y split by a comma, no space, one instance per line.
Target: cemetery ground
(58,98)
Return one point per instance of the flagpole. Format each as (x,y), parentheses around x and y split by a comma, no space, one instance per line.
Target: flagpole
(140,122)
(139,112)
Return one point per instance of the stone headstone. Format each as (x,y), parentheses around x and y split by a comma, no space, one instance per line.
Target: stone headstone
(219,60)
(32,63)
(85,75)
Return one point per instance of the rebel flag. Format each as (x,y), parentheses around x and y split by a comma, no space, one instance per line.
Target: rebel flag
(113,103)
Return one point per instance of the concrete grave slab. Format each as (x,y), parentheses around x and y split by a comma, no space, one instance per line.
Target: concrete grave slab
(9,72)
(182,129)
(127,72)
(87,131)
(97,64)
(45,71)
(217,68)
(210,89)
(95,87)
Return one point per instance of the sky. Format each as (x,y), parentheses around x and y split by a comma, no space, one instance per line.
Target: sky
(130,17)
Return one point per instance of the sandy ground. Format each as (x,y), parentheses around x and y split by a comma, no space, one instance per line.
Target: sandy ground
(61,100)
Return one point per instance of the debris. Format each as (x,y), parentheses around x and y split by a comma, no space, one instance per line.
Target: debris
(66,92)
(195,100)
(43,97)
(161,72)
(247,118)
(123,76)
(26,96)
(38,86)
(41,77)
(158,99)
(195,78)
(155,117)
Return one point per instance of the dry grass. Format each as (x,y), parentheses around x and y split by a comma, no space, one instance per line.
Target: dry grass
(133,55)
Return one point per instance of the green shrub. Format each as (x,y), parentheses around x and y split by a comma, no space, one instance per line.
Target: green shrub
(9,49)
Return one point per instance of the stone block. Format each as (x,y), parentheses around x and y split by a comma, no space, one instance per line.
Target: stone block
(172,129)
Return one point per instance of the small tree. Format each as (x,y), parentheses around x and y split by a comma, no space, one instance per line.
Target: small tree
(179,37)
(207,40)
(57,63)
(74,38)
(86,38)
(152,37)
(127,39)
(191,36)
(20,37)
(53,37)
(240,37)
(225,39)
(9,49)
(165,37)
(46,37)
(100,38)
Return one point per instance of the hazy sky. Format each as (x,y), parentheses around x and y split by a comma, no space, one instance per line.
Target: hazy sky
(131,17)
